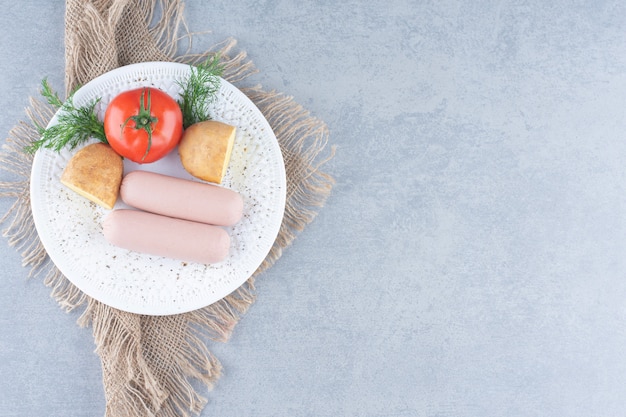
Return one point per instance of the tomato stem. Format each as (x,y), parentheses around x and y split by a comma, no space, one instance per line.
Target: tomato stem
(144,119)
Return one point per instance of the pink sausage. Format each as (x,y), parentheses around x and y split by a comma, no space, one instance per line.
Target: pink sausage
(182,199)
(154,234)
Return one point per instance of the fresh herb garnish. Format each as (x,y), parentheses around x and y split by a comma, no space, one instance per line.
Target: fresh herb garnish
(199,90)
(74,126)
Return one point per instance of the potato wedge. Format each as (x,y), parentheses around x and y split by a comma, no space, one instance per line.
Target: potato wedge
(95,172)
(205,149)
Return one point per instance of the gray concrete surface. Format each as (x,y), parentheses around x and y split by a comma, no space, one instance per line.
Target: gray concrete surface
(470,261)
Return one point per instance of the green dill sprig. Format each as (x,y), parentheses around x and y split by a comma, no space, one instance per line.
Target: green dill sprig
(75,125)
(199,90)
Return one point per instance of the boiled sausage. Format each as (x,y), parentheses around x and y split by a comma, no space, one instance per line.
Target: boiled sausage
(166,236)
(181,198)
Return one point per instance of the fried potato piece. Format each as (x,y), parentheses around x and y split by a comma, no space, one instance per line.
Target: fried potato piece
(205,149)
(95,172)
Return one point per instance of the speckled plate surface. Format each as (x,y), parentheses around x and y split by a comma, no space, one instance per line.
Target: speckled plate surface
(70,227)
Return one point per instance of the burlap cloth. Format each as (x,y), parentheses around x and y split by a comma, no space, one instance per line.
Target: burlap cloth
(151,365)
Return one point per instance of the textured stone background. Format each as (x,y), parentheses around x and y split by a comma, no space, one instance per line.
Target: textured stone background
(470,261)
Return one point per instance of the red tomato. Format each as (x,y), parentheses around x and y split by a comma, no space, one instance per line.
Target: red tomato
(143,125)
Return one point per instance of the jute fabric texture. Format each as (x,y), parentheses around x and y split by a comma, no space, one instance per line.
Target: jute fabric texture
(151,365)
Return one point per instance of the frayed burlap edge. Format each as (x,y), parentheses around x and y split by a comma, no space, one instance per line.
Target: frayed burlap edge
(149,362)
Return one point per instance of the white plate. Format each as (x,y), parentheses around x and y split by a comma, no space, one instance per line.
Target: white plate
(70,227)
